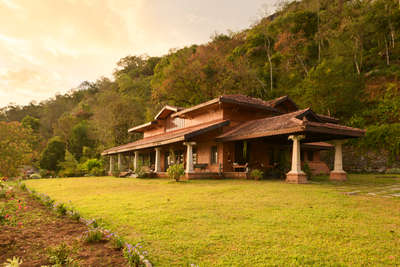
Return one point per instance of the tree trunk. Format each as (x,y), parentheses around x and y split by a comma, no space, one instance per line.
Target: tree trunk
(387,52)
(270,62)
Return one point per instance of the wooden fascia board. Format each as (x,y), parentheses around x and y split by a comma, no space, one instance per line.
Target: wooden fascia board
(206,129)
(297,129)
(231,101)
(205,104)
(342,132)
(148,145)
(142,126)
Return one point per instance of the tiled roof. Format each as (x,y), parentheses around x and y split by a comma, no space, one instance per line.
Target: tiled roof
(168,137)
(284,124)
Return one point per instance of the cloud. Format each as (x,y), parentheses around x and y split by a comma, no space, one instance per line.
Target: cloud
(49,46)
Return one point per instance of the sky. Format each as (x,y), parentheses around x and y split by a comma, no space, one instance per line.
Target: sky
(51,46)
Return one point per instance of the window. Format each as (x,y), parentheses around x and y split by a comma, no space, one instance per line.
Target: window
(214,155)
(310,155)
(194,152)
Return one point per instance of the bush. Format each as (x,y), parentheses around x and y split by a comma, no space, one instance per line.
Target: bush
(117,242)
(35,176)
(393,171)
(61,209)
(307,170)
(140,172)
(132,255)
(75,215)
(60,255)
(97,171)
(257,174)
(176,171)
(93,235)
(14,262)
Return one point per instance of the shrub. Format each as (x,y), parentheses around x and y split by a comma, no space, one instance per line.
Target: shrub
(35,176)
(61,209)
(176,171)
(14,262)
(75,215)
(93,235)
(393,171)
(22,186)
(257,174)
(307,170)
(97,171)
(60,255)
(117,242)
(132,255)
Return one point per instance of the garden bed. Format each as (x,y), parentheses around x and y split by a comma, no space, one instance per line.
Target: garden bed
(31,229)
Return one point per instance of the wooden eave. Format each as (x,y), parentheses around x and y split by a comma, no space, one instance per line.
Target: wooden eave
(143,127)
(166,110)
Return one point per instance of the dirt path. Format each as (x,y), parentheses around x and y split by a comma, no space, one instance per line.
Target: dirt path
(35,228)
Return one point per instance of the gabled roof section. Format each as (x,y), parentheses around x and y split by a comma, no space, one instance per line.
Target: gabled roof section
(143,127)
(238,99)
(280,100)
(295,122)
(166,111)
(184,134)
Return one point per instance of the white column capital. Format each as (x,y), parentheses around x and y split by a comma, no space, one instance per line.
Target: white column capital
(189,143)
(296,137)
(337,142)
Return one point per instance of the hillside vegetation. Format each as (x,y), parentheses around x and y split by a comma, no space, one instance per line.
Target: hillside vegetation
(340,58)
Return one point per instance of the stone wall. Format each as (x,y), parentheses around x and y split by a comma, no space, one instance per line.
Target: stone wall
(356,161)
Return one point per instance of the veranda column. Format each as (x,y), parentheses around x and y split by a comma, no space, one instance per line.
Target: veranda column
(111,164)
(189,156)
(158,160)
(136,160)
(338,174)
(119,162)
(296,175)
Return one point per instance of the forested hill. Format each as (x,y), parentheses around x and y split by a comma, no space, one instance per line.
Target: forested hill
(338,57)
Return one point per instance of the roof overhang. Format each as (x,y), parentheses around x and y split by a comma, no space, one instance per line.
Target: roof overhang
(167,138)
(165,112)
(142,127)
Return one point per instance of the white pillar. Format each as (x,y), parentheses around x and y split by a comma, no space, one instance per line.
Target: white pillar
(158,160)
(119,162)
(338,174)
(111,163)
(136,160)
(338,165)
(189,156)
(296,160)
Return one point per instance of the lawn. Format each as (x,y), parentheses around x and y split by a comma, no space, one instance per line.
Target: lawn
(245,223)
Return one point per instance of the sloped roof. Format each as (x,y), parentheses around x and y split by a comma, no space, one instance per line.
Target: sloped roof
(287,124)
(168,137)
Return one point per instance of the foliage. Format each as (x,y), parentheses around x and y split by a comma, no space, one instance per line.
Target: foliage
(93,235)
(15,147)
(69,167)
(176,171)
(61,209)
(14,262)
(140,171)
(393,171)
(132,254)
(257,174)
(307,170)
(61,255)
(53,154)
(79,139)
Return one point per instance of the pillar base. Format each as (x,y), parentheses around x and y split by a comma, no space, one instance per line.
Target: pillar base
(338,176)
(296,178)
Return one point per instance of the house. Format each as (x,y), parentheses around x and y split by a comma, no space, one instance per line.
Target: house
(232,134)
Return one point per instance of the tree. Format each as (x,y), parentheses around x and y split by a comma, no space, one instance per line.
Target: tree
(79,138)
(53,154)
(31,122)
(15,148)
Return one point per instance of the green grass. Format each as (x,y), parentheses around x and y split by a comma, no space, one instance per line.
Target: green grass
(243,223)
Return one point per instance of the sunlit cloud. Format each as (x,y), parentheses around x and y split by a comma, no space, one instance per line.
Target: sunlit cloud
(49,46)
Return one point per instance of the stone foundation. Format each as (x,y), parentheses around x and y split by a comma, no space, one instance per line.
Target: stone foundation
(296,178)
(338,176)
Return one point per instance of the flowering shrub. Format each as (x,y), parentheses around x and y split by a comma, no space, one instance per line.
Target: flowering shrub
(132,254)
(256,174)
(93,235)
(14,262)
(60,255)
(61,209)
(176,171)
